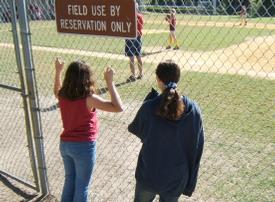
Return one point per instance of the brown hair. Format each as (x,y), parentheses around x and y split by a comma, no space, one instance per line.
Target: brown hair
(78,82)
(171,106)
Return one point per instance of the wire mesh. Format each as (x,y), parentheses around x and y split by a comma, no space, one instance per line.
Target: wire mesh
(14,158)
(227,62)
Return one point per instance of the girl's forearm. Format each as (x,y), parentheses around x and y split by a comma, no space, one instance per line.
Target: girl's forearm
(57,82)
(115,98)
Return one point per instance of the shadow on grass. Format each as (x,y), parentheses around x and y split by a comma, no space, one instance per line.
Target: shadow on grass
(145,53)
(105,89)
(16,190)
(48,198)
(151,53)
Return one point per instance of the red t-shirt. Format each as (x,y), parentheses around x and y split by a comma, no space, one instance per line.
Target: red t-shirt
(140,23)
(80,124)
(172,23)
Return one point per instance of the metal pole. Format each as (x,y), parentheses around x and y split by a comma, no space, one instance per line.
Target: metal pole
(23,93)
(33,95)
(214,7)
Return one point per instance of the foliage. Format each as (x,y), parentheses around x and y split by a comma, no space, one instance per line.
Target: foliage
(174,2)
(255,8)
(187,9)
(267,8)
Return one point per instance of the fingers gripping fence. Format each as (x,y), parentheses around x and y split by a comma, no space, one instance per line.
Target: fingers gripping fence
(227,56)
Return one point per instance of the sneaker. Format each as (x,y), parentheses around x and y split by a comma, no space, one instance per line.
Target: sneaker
(176,48)
(132,78)
(139,76)
(168,47)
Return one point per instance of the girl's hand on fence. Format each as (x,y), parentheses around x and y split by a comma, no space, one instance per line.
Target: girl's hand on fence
(109,74)
(59,64)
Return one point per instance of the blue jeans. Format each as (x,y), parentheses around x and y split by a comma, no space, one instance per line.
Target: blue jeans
(79,160)
(142,195)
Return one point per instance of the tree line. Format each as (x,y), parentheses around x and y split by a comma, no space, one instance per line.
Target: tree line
(255,8)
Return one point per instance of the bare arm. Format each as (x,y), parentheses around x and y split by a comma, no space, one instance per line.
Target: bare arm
(113,105)
(59,66)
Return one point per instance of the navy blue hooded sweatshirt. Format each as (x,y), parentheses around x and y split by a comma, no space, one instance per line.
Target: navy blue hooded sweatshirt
(169,159)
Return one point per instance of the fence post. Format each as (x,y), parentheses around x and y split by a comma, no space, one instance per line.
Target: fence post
(33,95)
(214,4)
(23,93)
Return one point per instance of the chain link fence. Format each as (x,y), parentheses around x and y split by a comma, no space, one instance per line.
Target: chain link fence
(228,67)
(17,154)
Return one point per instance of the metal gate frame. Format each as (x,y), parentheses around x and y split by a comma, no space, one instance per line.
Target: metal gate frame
(29,93)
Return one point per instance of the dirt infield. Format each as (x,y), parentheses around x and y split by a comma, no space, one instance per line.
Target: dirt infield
(254,57)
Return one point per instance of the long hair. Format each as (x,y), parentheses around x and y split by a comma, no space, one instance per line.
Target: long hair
(171,106)
(78,82)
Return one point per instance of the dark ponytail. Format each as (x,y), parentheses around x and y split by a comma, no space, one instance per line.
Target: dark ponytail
(171,106)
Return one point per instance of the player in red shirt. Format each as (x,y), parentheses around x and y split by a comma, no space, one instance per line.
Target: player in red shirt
(133,49)
(171,19)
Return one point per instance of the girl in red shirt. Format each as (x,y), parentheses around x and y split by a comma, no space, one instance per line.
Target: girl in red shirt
(78,106)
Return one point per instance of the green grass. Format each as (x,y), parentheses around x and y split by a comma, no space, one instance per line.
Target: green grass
(8,68)
(243,112)
(226,101)
(244,173)
(190,37)
(213,18)
(245,102)
(204,38)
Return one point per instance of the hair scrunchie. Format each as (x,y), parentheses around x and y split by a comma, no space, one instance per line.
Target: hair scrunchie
(171,84)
